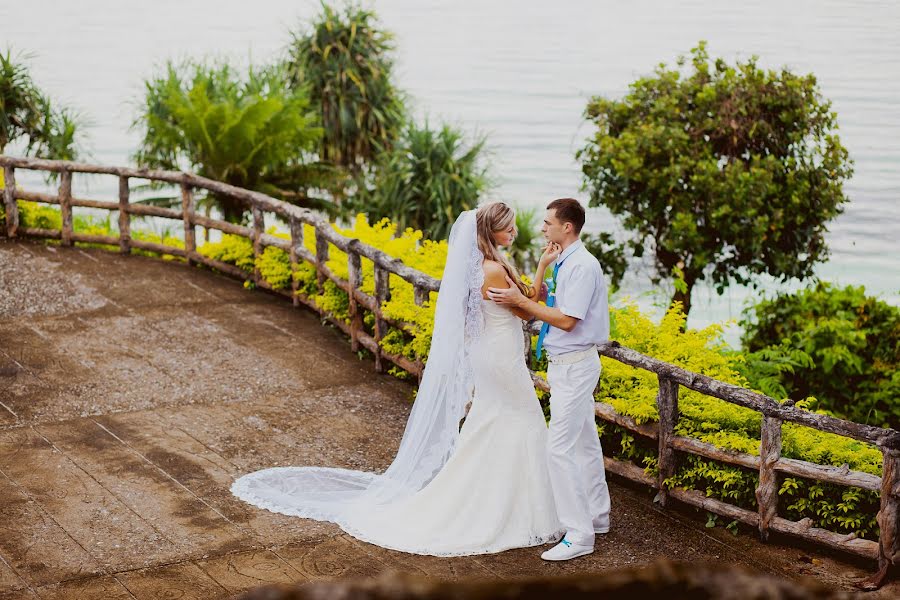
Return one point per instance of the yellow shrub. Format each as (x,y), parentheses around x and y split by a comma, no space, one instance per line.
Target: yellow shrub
(630,391)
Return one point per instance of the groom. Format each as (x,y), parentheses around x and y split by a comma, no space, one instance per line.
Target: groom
(578,321)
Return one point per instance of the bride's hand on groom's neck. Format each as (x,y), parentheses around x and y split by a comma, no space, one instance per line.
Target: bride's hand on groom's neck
(549,255)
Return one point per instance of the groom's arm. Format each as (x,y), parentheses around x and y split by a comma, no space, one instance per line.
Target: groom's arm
(513,298)
(495,277)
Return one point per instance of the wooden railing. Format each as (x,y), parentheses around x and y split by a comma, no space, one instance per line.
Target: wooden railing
(260,205)
(769,463)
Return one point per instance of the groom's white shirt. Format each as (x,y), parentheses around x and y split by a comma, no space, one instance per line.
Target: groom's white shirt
(581,292)
(575,455)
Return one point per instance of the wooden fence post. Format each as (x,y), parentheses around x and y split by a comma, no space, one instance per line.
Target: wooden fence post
(767,491)
(889,514)
(187,215)
(124,217)
(259,225)
(321,256)
(382,294)
(296,244)
(9,201)
(65,206)
(420,295)
(354,267)
(667,404)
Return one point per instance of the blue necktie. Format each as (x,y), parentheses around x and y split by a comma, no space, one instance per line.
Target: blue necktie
(551,300)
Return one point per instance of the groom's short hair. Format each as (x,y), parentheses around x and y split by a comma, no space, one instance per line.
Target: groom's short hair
(568,210)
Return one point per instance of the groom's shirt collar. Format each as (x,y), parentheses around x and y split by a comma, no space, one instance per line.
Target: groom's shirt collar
(568,251)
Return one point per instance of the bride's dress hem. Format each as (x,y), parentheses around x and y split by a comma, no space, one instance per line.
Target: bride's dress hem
(239,489)
(532,542)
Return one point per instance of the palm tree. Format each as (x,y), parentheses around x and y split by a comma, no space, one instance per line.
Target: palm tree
(426,180)
(344,61)
(255,132)
(27,113)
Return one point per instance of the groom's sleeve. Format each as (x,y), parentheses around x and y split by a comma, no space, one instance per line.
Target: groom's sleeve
(575,299)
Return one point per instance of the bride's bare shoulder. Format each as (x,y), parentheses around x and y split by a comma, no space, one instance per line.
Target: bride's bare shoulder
(492,267)
(493,270)
(494,275)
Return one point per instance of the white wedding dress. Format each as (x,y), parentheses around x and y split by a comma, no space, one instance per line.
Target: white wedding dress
(480,489)
(494,493)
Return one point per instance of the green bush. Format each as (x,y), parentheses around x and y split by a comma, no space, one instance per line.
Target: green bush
(253,130)
(839,345)
(632,392)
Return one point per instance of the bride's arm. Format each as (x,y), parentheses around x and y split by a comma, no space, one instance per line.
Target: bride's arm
(495,277)
(538,282)
(549,255)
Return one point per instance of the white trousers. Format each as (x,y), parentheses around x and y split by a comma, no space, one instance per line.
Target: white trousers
(575,456)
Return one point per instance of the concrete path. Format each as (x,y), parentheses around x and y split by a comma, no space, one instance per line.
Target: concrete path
(133,392)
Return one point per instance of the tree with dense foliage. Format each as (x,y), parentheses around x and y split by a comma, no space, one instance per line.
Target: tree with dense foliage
(255,131)
(722,172)
(610,254)
(428,178)
(344,60)
(27,114)
(838,344)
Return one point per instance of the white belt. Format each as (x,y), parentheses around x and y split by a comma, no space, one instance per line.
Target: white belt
(570,358)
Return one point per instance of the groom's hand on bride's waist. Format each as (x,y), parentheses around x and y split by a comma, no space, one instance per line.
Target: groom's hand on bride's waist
(510,296)
(525,307)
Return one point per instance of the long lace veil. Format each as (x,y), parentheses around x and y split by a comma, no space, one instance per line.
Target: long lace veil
(332,494)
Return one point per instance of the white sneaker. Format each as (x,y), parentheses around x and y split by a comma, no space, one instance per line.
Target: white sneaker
(601,525)
(566,550)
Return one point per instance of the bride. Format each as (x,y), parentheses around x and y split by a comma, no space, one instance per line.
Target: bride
(450,491)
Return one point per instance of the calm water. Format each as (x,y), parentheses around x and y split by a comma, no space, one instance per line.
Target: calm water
(521,73)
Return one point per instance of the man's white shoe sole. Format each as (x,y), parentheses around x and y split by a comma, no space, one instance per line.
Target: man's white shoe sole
(568,557)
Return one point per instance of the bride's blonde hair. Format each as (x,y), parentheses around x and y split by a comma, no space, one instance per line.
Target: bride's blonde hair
(492,217)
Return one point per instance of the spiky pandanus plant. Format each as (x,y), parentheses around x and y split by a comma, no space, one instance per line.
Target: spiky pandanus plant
(27,113)
(344,60)
(426,180)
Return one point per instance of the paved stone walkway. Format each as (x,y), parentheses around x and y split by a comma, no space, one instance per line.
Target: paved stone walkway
(133,392)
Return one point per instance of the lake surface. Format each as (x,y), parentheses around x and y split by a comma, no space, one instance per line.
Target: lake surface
(520,73)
